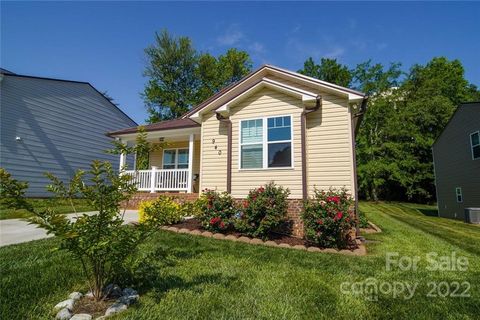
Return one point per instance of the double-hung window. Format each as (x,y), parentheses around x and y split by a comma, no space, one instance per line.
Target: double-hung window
(175,159)
(266,143)
(475,144)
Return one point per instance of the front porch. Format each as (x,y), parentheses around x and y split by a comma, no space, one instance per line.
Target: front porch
(174,166)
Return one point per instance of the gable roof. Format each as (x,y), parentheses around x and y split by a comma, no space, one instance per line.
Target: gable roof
(460,107)
(159,126)
(5,72)
(269,69)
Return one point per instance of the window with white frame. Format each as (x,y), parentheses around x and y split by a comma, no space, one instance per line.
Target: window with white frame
(266,143)
(175,159)
(458,194)
(475,144)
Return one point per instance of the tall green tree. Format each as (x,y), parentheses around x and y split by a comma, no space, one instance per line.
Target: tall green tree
(328,70)
(179,77)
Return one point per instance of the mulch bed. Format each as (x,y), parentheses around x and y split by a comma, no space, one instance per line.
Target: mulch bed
(90,306)
(194,224)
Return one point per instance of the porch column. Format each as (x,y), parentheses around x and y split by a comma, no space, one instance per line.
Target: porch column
(123,161)
(190,164)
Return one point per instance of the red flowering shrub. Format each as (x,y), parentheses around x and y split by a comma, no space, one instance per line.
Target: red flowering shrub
(328,219)
(215,210)
(264,210)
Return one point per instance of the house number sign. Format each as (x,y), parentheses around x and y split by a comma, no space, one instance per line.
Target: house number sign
(216,147)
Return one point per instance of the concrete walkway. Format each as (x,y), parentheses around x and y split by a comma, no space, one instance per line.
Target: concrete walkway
(17,231)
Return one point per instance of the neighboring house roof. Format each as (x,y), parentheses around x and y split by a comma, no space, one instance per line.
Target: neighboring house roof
(5,71)
(11,74)
(159,126)
(461,106)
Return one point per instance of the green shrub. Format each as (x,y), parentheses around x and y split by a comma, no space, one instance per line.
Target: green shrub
(362,220)
(264,210)
(328,219)
(162,211)
(215,210)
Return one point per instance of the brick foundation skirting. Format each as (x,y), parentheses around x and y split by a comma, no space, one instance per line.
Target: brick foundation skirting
(295,207)
(138,197)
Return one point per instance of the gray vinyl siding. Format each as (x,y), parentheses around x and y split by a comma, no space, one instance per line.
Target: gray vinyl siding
(62,127)
(454,166)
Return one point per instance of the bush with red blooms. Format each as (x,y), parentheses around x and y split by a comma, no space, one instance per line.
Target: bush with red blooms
(328,218)
(264,210)
(215,210)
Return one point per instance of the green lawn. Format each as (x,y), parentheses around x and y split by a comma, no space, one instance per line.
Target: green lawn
(197,278)
(62,206)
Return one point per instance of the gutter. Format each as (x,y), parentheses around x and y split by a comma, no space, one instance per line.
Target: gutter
(303,122)
(228,122)
(356,121)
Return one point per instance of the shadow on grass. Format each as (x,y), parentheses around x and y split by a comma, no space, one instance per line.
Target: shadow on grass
(428,212)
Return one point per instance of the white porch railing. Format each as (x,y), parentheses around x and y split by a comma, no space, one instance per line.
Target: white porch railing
(160,179)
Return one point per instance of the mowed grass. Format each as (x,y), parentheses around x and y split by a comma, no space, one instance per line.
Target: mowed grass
(191,277)
(60,205)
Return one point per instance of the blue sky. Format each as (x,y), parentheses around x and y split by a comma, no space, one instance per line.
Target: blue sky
(103,43)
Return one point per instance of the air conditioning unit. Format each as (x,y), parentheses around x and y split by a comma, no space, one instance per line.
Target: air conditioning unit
(472,215)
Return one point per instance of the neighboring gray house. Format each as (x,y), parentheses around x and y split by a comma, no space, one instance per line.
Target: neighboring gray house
(456,157)
(53,125)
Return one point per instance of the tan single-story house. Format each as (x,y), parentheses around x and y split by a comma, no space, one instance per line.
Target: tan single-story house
(273,125)
(456,159)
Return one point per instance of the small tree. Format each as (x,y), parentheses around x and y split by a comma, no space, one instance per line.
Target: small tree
(100,242)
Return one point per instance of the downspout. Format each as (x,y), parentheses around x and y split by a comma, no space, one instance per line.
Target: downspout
(228,122)
(356,121)
(303,126)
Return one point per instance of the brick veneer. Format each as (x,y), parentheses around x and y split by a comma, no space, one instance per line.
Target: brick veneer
(295,206)
(138,197)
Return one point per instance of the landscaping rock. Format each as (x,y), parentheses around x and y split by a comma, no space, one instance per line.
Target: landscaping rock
(244,239)
(284,245)
(65,304)
(117,307)
(112,291)
(75,296)
(81,316)
(128,300)
(129,292)
(63,314)
(299,247)
(207,234)
(314,249)
(218,236)
(184,230)
(174,229)
(256,241)
(270,243)
(89,295)
(196,232)
(231,237)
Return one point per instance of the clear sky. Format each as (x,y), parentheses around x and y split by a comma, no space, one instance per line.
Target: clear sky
(103,43)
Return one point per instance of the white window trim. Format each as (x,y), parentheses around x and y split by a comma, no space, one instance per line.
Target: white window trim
(176,158)
(471,143)
(265,143)
(457,193)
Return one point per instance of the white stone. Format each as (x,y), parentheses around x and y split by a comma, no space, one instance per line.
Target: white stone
(65,304)
(116,308)
(63,314)
(89,294)
(81,316)
(75,296)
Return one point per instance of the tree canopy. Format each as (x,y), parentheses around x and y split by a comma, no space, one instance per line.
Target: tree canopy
(406,113)
(180,77)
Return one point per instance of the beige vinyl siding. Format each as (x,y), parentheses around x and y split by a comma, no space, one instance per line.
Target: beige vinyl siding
(329,145)
(266,103)
(213,172)
(156,157)
(454,166)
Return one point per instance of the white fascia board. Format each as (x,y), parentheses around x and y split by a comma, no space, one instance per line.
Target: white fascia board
(305,96)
